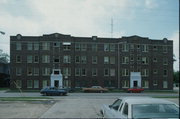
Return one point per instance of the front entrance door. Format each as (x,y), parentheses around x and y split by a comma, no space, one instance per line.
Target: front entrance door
(135,83)
(56,83)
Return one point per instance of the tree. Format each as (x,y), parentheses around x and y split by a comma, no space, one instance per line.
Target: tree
(4,57)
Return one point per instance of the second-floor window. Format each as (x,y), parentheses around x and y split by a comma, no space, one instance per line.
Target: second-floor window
(66,71)
(112,60)
(106,60)
(77,59)
(106,72)
(46,71)
(125,60)
(94,72)
(36,59)
(45,59)
(144,60)
(67,59)
(18,71)
(145,72)
(94,59)
(18,59)
(125,72)
(165,61)
(83,59)
(29,59)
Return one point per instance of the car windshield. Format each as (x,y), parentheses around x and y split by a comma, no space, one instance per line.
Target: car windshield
(155,111)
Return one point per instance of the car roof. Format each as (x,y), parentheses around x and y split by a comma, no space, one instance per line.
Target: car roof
(144,100)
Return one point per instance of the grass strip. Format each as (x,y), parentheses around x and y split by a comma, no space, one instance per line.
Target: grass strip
(165,96)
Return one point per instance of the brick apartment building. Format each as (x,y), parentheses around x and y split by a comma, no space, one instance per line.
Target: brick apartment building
(88,61)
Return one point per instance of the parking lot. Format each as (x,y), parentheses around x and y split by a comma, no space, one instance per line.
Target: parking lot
(75,105)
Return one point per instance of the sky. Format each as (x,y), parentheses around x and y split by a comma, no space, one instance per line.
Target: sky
(156,19)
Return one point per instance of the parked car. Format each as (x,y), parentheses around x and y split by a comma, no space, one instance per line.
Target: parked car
(140,107)
(135,90)
(95,89)
(53,91)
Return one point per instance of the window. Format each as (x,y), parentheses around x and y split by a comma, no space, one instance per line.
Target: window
(36,71)
(36,46)
(83,72)
(66,46)
(165,84)
(154,59)
(144,60)
(125,60)
(165,49)
(56,60)
(106,72)
(112,72)
(29,59)
(18,84)
(66,71)
(36,59)
(165,61)
(106,47)
(94,72)
(125,47)
(36,83)
(155,71)
(83,59)
(18,46)
(83,47)
(112,47)
(165,72)
(18,71)
(138,46)
(45,59)
(155,82)
(125,84)
(56,44)
(125,110)
(94,59)
(67,59)
(45,83)
(29,84)
(154,47)
(116,104)
(29,71)
(77,47)
(125,72)
(112,60)
(94,47)
(46,71)
(77,59)
(145,72)
(144,48)
(18,59)
(77,71)
(56,72)
(45,46)
(106,60)
(29,46)
(145,84)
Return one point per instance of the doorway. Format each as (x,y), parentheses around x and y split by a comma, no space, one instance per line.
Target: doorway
(135,83)
(56,83)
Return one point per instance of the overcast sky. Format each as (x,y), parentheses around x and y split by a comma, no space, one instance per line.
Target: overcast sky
(155,19)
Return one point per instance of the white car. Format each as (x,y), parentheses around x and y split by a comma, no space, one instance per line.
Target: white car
(140,107)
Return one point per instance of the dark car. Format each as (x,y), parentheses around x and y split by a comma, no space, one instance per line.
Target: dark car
(53,91)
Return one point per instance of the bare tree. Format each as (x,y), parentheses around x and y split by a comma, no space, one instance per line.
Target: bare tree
(4,57)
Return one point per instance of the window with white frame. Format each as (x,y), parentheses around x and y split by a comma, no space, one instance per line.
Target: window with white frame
(36,71)
(94,47)
(36,83)
(83,72)
(18,59)
(106,72)
(83,59)
(77,71)
(106,60)
(165,84)
(77,59)
(154,59)
(36,59)
(29,59)
(112,72)
(94,59)
(145,72)
(83,47)
(125,47)
(18,46)
(165,72)
(36,46)
(112,47)
(155,82)
(125,83)
(66,71)
(44,83)
(18,71)
(45,59)
(125,72)
(66,46)
(67,59)
(29,46)
(112,60)
(46,71)
(56,60)
(144,60)
(165,61)
(45,46)
(145,48)
(77,47)
(29,71)
(94,72)
(125,60)
(106,47)
(29,84)
(145,84)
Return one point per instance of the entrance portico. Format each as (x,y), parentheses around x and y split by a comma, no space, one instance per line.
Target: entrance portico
(56,78)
